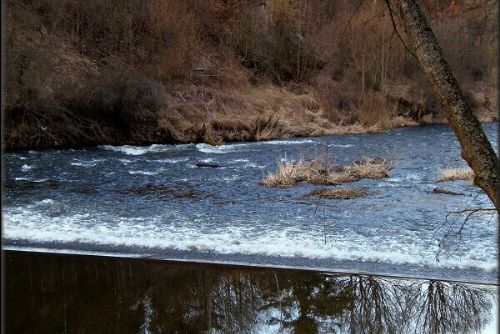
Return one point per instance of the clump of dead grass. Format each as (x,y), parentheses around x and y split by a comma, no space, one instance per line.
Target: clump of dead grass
(343,193)
(315,171)
(288,174)
(371,168)
(454,174)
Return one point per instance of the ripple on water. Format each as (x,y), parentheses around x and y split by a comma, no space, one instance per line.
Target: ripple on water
(226,211)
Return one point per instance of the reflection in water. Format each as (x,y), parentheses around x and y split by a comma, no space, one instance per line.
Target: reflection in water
(83,294)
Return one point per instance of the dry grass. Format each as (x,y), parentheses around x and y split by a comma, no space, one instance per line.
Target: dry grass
(229,72)
(344,193)
(454,174)
(288,174)
(315,171)
(371,168)
(253,113)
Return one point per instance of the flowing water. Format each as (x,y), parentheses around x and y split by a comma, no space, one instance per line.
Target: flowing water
(205,203)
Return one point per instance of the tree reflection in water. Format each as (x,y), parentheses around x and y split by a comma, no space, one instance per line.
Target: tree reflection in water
(450,308)
(80,294)
(365,304)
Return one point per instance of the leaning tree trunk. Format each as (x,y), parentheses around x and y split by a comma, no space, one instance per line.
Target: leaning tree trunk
(476,148)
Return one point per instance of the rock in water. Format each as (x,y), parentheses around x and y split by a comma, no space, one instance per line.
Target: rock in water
(207,165)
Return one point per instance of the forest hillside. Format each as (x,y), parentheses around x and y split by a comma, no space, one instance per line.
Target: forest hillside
(81,73)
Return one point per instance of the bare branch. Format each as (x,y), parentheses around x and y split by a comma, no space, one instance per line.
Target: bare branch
(396,29)
(470,211)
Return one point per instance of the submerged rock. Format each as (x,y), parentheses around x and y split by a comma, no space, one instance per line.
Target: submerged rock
(207,165)
(342,193)
(446,191)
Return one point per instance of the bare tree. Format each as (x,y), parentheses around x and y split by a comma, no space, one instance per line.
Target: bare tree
(476,148)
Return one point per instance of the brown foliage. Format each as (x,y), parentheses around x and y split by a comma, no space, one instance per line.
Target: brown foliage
(230,70)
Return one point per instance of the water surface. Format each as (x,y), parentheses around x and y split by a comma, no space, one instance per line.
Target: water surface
(56,293)
(156,202)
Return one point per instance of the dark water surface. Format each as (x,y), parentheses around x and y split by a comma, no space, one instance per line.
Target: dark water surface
(56,293)
(157,201)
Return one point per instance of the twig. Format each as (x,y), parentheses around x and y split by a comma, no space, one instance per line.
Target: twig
(396,29)
(471,211)
(459,232)
(350,18)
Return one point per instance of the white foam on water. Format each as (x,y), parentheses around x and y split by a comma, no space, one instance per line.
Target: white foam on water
(72,252)
(41,180)
(221,149)
(125,161)
(252,165)
(140,150)
(22,179)
(413,177)
(130,150)
(246,163)
(288,142)
(393,179)
(81,164)
(182,180)
(26,168)
(27,223)
(144,172)
(172,161)
(47,201)
(90,163)
(231,178)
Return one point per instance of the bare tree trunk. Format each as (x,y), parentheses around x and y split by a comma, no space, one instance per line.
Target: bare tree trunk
(476,148)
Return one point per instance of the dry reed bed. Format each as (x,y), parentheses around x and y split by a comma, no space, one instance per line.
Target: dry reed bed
(454,174)
(290,173)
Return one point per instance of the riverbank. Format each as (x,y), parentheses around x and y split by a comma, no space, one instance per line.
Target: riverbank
(73,135)
(139,74)
(64,292)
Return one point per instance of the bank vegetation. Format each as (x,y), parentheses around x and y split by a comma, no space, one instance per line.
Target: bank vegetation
(81,73)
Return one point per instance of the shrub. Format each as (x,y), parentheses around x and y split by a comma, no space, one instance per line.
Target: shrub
(375,109)
(125,100)
(271,39)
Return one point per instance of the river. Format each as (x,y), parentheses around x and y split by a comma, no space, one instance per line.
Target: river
(197,202)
